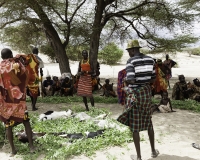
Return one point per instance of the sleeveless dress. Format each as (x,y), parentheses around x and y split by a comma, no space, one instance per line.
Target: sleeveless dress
(85,81)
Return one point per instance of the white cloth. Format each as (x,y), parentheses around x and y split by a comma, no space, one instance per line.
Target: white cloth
(165,108)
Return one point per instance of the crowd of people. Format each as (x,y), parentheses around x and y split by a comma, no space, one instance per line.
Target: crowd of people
(142,78)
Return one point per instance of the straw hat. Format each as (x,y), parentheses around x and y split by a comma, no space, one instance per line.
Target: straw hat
(133,44)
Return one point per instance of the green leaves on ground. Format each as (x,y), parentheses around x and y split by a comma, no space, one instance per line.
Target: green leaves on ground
(58,99)
(54,147)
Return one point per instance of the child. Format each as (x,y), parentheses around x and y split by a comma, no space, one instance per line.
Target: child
(165,105)
(108,89)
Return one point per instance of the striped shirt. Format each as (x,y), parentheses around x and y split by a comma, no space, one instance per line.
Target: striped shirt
(141,69)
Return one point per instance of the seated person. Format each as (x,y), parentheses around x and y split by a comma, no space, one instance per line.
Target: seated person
(56,85)
(180,89)
(193,90)
(67,87)
(165,105)
(108,89)
(47,86)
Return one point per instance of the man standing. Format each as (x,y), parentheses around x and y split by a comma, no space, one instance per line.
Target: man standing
(169,63)
(33,87)
(140,72)
(14,78)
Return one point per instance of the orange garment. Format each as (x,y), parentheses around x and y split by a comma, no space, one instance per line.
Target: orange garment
(33,85)
(85,81)
(160,83)
(85,66)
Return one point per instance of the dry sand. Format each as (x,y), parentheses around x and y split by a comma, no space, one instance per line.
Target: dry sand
(174,132)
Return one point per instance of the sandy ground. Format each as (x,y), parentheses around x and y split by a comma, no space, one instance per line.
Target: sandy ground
(174,132)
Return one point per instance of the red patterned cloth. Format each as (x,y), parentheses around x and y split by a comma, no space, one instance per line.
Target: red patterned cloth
(13,82)
(121,94)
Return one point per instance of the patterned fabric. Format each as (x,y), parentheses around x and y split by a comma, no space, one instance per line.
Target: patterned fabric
(160,83)
(85,82)
(121,94)
(85,86)
(141,69)
(138,109)
(14,78)
(193,91)
(33,85)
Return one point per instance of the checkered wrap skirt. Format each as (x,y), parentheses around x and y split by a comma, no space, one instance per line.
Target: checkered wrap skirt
(138,109)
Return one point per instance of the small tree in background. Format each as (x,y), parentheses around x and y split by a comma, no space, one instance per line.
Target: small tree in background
(110,54)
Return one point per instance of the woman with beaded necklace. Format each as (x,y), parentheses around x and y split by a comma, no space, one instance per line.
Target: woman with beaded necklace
(85,81)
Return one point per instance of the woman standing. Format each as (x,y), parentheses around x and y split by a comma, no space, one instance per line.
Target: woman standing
(85,81)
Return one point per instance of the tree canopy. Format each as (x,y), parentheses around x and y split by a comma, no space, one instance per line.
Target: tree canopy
(62,24)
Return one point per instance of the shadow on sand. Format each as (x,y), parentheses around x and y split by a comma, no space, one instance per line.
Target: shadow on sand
(171,157)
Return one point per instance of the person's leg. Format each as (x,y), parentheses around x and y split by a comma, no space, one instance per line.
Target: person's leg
(34,103)
(136,139)
(85,102)
(92,101)
(44,91)
(9,134)
(29,134)
(152,143)
(151,139)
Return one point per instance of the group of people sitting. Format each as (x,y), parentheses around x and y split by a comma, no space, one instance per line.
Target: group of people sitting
(67,84)
(186,90)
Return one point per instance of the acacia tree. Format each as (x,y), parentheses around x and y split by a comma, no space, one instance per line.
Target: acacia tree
(55,18)
(141,19)
(112,20)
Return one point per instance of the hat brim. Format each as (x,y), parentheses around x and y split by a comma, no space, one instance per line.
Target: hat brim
(133,47)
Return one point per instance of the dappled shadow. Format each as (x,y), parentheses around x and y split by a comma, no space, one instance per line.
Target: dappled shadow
(171,157)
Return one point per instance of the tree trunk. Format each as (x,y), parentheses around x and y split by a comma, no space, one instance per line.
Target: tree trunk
(96,32)
(53,37)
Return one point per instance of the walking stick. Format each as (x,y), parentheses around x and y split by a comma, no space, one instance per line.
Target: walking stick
(41,79)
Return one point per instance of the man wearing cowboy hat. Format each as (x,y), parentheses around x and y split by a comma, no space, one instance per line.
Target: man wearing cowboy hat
(140,72)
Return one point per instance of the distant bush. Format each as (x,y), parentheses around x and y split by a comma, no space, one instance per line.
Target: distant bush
(145,51)
(195,51)
(110,54)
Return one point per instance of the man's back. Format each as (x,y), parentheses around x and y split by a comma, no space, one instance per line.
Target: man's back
(141,69)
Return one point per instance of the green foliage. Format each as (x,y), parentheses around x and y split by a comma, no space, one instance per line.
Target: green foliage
(110,54)
(74,52)
(173,45)
(145,51)
(190,105)
(21,37)
(48,50)
(68,99)
(55,147)
(195,51)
